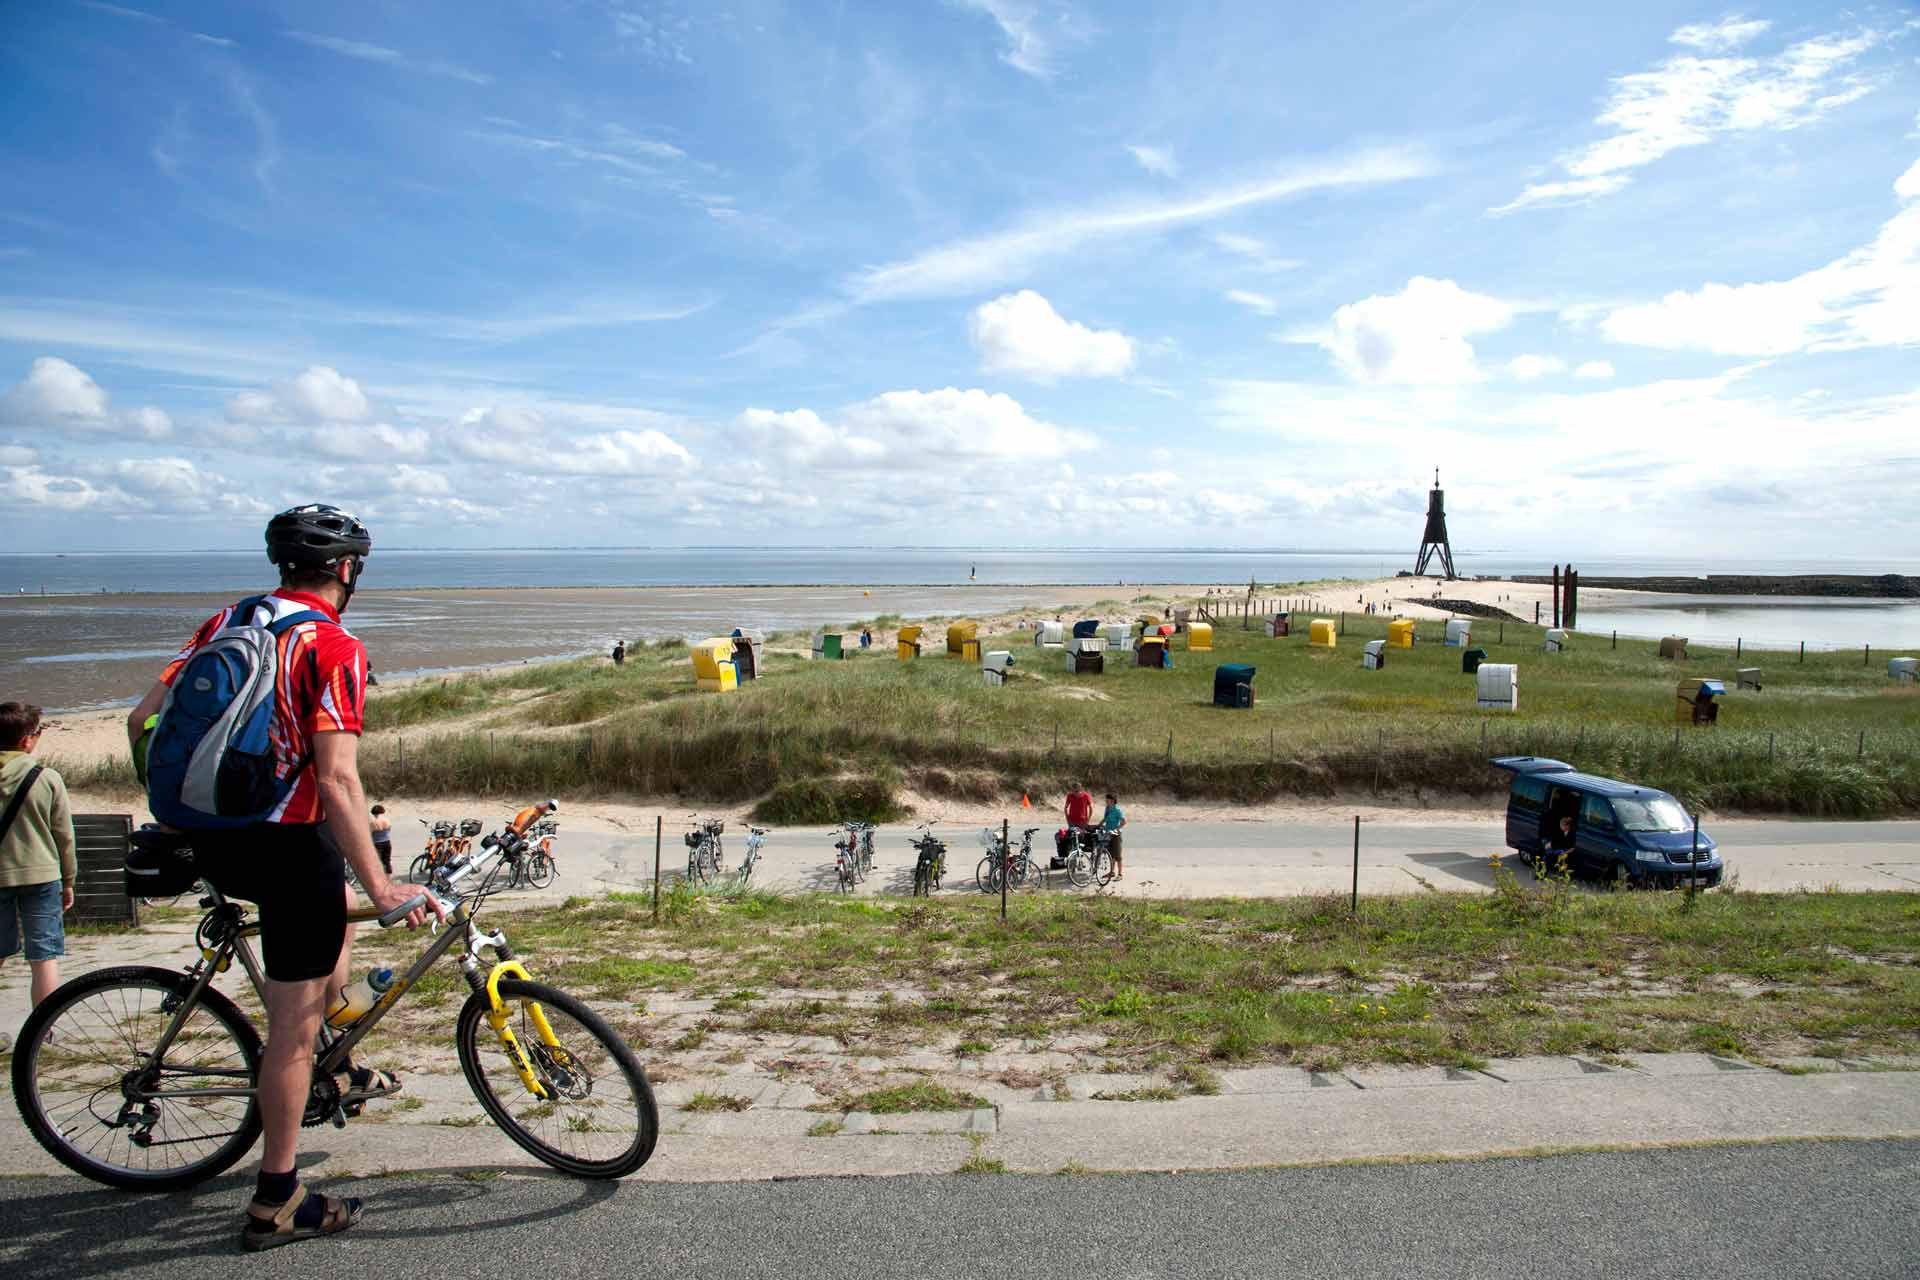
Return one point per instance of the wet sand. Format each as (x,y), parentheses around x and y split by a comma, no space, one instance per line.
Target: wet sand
(87,651)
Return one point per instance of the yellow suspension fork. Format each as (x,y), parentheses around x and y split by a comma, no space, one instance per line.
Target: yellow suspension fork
(498,1017)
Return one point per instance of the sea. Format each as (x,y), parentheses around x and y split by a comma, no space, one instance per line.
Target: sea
(91,629)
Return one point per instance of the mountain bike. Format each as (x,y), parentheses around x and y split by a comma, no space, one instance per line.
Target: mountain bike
(145,1078)
(846,860)
(704,854)
(931,866)
(756,836)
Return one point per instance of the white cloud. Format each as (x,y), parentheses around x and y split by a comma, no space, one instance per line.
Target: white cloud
(55,389)
(1528,367)
(1728,33)
(1156,160)
(964,266)
(1030,47)
(515,434)
(1870,297)
(1254,251)
(58,394)
(1021,333)
(386,57)
(17,455)
(318,394)
(1252,301)
(1594,370)
(1418,335)
(912,430)
(1687,101)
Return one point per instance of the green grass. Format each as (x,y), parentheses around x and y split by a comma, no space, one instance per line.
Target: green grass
(707,1102)
(1446,979)
(816,741)
(923,1095)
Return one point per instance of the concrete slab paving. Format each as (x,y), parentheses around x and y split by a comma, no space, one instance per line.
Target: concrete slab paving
(1266,1080)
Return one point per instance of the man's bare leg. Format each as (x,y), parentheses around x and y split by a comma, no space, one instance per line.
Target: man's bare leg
(294,1010)
(343,971)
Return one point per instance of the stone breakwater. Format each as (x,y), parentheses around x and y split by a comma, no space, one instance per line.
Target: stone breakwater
(1885,586)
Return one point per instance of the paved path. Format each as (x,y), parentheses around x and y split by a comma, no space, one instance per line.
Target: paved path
(1247,858)
(1727,1213)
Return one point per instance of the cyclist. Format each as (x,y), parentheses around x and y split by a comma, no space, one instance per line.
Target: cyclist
(286,867)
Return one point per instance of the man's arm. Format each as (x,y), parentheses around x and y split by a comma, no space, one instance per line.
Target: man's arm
(336,764)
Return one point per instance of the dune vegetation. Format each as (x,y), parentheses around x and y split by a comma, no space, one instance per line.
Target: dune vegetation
(1829,735)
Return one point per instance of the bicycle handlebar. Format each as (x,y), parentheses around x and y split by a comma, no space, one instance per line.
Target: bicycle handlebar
(404,910)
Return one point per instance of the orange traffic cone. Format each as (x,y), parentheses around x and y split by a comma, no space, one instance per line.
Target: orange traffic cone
(1024,802)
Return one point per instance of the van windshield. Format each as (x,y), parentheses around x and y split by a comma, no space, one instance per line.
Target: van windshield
(1659,814)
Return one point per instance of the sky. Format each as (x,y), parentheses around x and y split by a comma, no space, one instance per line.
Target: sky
(963,272)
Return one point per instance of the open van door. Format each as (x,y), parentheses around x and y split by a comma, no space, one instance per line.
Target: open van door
(1527,799)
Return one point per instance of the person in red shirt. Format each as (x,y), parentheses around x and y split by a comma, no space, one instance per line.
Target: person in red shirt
(284,865)
(1079,814)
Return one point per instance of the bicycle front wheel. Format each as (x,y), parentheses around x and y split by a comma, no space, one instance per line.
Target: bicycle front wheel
(1102,867)
(597,1118)
(541,871)
(423,864)
(91,1092)
(1079,869)
(983,875)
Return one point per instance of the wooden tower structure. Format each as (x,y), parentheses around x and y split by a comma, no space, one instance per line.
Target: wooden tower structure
(1435,538)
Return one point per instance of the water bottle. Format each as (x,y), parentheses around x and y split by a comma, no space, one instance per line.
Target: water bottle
(357,999)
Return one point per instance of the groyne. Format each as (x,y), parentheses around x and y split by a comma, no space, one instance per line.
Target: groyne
(1886,586)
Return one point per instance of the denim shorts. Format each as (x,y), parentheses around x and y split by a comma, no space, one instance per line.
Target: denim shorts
(32,909)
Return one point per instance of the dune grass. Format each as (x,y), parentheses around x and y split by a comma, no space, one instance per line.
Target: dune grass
(1450,979)
(1828,736)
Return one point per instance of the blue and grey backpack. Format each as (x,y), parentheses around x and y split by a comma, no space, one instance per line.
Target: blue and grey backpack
(210,760)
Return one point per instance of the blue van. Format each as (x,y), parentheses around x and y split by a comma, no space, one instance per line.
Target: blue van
(1634,835)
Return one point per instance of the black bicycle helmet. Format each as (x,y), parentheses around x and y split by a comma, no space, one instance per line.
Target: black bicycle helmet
(315,536)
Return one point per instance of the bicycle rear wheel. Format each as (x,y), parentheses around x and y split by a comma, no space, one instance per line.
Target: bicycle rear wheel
(1080,868)
(598,1119)
(417,872)
(1102,867)
(86,1085)
(541,871)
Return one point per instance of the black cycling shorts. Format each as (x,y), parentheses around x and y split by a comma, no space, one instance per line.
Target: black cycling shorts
(298,881)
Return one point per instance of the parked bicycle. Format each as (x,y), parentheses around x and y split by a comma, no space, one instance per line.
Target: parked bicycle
(931,865)
(863,860)
(756,837)
(146,1078)
(1002,859)
(846,859)
(1089,857)
(439,848)
(705,856)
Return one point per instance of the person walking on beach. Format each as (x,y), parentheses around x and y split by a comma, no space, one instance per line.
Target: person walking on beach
(1113,820)
(382,829)
(37,866)
(283,864)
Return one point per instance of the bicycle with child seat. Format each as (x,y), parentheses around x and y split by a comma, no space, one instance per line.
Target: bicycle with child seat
(145,1078)
(438,851)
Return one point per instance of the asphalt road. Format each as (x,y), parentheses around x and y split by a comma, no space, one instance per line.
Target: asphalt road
(1257,858)
(1815,1209)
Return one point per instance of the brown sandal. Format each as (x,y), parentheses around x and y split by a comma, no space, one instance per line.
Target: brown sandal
(270,1226)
